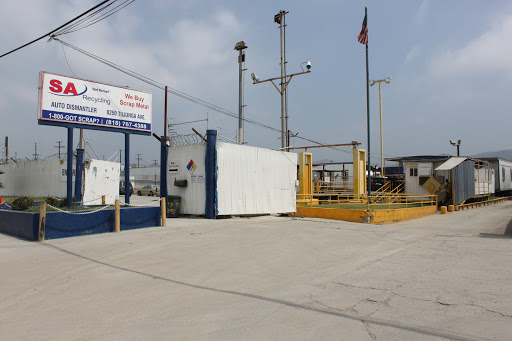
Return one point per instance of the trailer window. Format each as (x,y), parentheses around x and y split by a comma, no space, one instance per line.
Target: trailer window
(423,179)
(413,172)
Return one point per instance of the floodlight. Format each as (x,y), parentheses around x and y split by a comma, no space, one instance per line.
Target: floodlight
(240,46)
(255,78)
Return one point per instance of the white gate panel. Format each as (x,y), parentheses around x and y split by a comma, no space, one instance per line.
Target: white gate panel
(193,196)
(254,180)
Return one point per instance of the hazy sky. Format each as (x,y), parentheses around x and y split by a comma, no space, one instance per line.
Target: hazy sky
(449,60)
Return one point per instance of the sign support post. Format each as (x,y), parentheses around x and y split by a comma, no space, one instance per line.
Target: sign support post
(69,174)
(127,168)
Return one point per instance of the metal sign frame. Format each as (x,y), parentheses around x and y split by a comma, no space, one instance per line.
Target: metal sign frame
(100,121)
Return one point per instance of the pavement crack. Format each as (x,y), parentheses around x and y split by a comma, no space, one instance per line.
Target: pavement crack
(368,330)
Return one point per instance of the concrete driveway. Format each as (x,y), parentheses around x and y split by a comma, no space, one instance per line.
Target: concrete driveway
(442,277)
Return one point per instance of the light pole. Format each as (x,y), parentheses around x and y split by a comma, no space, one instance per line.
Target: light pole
(456,143)
(385,80)
(279,18)
(240,47)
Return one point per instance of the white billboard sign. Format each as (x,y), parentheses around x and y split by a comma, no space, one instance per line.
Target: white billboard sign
(73,101)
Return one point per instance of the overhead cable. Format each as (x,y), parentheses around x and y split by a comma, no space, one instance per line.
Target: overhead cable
(93,20)
(181,94)
(55,30)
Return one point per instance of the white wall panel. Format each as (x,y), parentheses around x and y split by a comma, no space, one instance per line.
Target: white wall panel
(101,178)
(45,178)
(505,168)
(254,180)
(42,178)
(193,197)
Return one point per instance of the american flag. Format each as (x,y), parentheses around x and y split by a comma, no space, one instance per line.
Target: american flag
(363,36)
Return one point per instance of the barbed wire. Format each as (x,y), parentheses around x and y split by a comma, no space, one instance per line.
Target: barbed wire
(184,139)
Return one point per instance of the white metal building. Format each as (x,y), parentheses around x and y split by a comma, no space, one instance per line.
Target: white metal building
(503,173)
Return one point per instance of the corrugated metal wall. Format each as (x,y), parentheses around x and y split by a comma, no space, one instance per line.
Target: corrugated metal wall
(41,178)
(463,181)
(254,180)
(46,178)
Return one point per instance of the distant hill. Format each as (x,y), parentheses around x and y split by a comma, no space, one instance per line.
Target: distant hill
(504,154)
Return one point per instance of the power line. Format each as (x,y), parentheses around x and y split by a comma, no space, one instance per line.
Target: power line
(96,20)
(78,22)
(186,96)
(178,93)
(55,30)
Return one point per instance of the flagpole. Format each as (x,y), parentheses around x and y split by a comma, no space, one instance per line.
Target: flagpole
(369,178)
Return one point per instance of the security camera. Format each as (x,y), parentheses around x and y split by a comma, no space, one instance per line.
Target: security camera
(255,78)
(308,65)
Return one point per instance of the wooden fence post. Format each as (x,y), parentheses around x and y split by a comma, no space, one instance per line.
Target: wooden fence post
(42,221)
(162,206)
(117,224)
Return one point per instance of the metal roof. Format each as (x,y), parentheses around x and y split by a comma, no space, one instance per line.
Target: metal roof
(420,158)
(452,163)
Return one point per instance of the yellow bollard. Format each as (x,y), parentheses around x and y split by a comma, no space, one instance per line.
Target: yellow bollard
(117,224)
(457,208)
(444,209)
(162,207)
(451,208)
(42,221)
(103,200)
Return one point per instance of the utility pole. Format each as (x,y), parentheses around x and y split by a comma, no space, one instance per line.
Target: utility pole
(166,127)
(279,18)
(240,47)
(120,156)
(59,146)
(6,149)
(138,160)
(285,79)
(35,151)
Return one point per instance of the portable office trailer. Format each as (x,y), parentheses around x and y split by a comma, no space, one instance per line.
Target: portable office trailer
(468,178)
(418,169)
(502,172)
(461,178)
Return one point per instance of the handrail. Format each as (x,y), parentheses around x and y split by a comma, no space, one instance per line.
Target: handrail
(394,200)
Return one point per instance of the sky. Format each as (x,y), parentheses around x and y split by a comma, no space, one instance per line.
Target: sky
(449,62)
